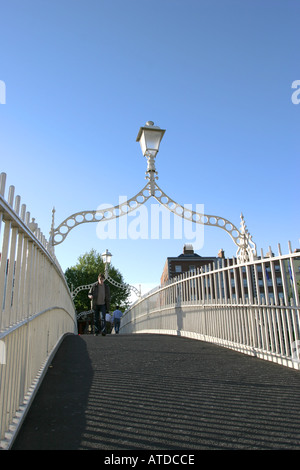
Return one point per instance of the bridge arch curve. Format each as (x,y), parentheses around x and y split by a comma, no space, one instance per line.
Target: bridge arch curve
(241,237)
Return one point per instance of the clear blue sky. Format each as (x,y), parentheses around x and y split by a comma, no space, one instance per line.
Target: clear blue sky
(82,76)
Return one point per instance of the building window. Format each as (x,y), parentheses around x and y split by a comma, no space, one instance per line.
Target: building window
(178,269)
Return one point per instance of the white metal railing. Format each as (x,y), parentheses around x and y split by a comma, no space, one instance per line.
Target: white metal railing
(36,310)
(251,307)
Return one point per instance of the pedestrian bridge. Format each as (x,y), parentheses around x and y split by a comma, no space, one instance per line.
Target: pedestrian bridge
(208,360)
(161,392)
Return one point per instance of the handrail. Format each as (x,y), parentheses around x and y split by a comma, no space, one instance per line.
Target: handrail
(252,307)
(36,310)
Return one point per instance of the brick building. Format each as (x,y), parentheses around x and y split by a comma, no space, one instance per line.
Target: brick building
(186,262)
(264,279)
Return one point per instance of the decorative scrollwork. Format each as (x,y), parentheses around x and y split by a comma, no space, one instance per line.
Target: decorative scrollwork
(123,286)
(58,235)
(111,281)
(80,288)
(196,217)
(84,314)
(242,239)
(247,248)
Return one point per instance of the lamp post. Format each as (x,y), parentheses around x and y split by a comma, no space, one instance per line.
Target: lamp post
(149,138)
(106,257)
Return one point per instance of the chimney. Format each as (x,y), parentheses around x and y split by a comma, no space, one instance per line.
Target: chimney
(188,250)
(221,253)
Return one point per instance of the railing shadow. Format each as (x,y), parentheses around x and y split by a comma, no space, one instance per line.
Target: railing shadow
(180,313)
(59,408)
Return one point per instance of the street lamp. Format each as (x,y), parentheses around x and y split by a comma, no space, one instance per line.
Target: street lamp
(149,138)
(106,256)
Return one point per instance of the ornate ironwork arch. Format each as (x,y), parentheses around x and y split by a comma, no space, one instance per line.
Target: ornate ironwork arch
(58,234)
(111,281)
(241,237)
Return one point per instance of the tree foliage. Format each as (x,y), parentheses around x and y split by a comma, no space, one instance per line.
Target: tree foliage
(86,272)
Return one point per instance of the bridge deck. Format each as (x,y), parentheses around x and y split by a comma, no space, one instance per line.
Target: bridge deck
(153,392)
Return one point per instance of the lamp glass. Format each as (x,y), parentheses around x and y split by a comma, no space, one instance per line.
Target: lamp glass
(150,141)
(149,138)
(106,257)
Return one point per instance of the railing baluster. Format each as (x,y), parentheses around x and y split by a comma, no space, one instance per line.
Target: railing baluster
(236,305)
(32,318)
(2,183)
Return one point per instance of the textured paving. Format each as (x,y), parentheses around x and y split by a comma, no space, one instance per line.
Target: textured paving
(151,392)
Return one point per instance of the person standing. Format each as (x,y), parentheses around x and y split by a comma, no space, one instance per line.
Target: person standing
(100,296)
(116,319)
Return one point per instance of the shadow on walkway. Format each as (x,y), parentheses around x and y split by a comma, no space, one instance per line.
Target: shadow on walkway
(57,416)
(151,392)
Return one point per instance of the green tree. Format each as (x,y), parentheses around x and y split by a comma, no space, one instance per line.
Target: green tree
(86,272)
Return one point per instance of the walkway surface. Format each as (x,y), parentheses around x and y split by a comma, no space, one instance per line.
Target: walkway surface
(151,392)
